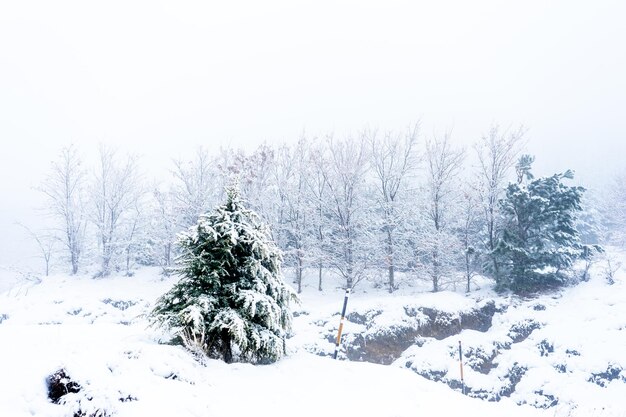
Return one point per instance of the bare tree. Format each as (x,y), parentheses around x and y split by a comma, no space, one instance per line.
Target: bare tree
(254,172)
(133,228)
(611,268)
(115,192)
(164,228)
(443,163)
(45,244)
(195,187)
(613,209)
(255,179)
(290,173)
(65,187)
(393,159)
(345,178)
(497,152)
(470,227)
(317,187)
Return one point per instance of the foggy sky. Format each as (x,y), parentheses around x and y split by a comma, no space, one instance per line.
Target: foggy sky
(159,78)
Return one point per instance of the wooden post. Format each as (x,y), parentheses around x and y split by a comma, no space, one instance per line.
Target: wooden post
(343,318)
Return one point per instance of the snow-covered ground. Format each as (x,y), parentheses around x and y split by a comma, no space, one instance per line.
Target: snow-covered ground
(97,331)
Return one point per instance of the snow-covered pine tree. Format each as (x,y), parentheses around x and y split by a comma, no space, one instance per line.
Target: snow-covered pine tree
(539,240)
(231,302)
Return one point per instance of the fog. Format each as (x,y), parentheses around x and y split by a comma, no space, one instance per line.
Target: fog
(160,78)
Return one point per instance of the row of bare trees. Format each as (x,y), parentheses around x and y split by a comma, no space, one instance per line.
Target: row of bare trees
(107,198)
(358,204)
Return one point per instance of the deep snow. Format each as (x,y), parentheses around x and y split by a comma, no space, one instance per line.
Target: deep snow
(96,329)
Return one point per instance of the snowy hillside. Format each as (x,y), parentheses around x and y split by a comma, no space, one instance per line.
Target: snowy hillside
(562,351)
(95,330)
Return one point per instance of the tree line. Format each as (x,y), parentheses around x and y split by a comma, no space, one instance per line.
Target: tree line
(370,205)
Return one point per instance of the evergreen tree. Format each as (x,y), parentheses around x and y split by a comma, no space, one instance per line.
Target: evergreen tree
(232,302)
(539,240)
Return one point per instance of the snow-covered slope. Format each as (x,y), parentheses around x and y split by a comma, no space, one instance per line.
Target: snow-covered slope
(564,351)
(96,330)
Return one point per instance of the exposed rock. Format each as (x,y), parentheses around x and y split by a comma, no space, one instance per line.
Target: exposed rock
(97,413)
(545,347)
(546,400)
(363,319)
(514,376)
(479,319)
(385,345)
(602,379)
(520,331)
(119,304)
(480,360)
(60,384)
(127,399)
(509,382)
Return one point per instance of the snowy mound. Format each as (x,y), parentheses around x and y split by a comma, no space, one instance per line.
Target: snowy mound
(567,346)
(96,332)
(562,351)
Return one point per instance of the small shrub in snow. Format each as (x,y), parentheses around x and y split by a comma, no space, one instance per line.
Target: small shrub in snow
(232,302)
(611,269)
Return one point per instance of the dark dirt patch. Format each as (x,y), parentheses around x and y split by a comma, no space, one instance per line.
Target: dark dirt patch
(60,384)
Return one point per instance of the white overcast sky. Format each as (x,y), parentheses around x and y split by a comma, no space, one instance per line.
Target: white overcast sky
(159,78)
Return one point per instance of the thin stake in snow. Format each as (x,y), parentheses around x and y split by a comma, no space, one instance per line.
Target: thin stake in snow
(461,367)
(343,318)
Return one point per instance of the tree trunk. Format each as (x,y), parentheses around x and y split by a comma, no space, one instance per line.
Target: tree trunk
(467,270)
(226,349)
(350,264)
(436,270)
(390,261)
(299,273)
(74,258)
(319,282)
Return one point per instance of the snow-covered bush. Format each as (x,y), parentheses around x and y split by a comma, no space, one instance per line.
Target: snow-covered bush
(231,302)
